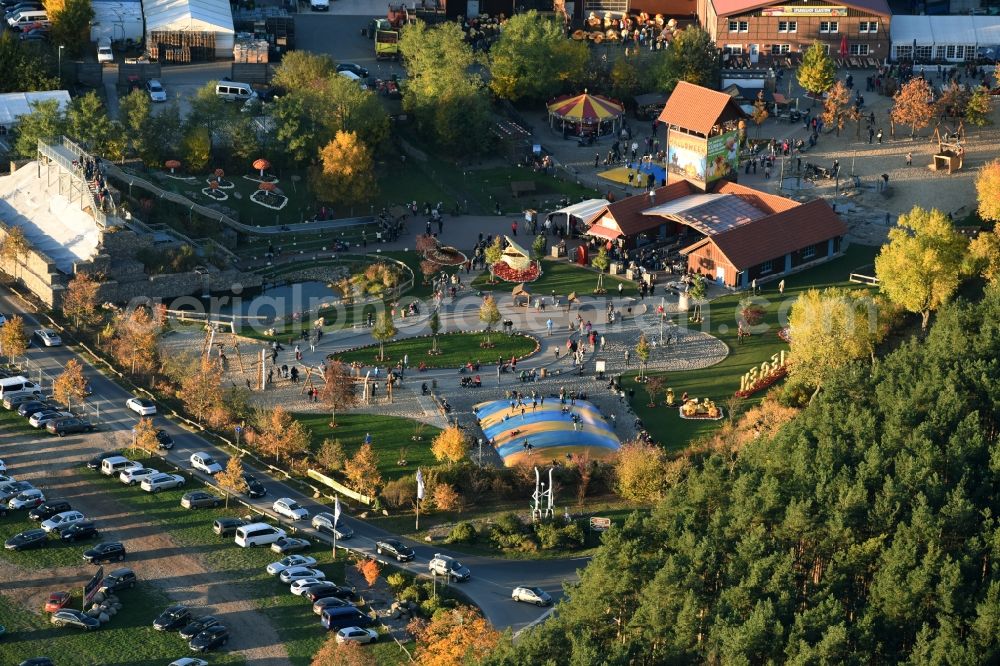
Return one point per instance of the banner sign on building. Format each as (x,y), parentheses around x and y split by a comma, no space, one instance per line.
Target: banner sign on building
(702,160)
(90,589)
(723,156)
(803,10)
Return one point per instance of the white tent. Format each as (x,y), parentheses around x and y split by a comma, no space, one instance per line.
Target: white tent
(949,38)
(117,21)
(193,16)
(15,105)
(585,211)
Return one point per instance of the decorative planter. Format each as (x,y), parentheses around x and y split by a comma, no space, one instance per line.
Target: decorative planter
(764,382)
(692,410)
(215,195)
(271,200)
(223,183)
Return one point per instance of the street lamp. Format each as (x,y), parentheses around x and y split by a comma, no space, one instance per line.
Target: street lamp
(61,47)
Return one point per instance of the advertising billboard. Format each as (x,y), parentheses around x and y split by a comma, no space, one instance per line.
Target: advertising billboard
(723,156)
(686,156)
(804,10)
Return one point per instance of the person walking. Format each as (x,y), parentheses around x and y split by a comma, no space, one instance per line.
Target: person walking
(513,228)
(548,326)
(871,135)
(879,136)
(909,159)
(781,287)
(621,288)
(627,356)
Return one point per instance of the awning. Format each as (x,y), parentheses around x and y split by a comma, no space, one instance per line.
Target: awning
(586,211)
(603,232)
(585,108)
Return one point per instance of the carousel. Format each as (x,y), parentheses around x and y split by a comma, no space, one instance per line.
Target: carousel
(585,115)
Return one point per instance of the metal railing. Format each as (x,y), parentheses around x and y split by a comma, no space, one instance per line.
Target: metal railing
(53,154)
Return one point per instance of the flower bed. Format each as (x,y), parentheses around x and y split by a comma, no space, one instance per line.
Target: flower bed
(217,195)
(505,272)
(763,382)
(445,256)
(692,410)
(223,183)
(272,200)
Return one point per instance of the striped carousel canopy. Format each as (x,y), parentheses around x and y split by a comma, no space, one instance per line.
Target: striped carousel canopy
(585,108)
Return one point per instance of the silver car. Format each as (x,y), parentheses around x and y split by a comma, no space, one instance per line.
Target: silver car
(531,595)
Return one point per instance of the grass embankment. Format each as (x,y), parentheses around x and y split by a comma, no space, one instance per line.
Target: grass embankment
(561,278)
(720,381)
(457,349)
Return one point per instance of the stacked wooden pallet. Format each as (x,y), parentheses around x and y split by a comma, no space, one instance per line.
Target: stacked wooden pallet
(181,46)
(250,50)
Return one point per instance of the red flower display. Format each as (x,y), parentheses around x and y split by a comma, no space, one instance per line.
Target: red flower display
(505,272)
(763,382)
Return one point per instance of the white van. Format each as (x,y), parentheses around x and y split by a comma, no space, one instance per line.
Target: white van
(17,383)
(257,534)
(114,465)
(25,18)
(104,52)
(234,91)
(320,5)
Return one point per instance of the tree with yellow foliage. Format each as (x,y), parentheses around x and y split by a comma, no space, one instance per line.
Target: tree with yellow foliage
(201,390)
(639,468)
(231,479)
(450,446)
(134,342)
(144,437)
(920,268)
(280,435)
(347,171)
(453,637)
(70,386)
(13,341)
(348,653)
(80,301)
(362,471)
(988,191)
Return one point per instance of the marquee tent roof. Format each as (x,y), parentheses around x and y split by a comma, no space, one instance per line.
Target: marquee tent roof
(194,16)
(585,108)
(934,30)
(16,104)
(586,210)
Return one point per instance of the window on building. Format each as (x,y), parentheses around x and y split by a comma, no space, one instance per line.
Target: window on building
(766,267)
(868,26)
(829,26)
(923,53)
(809,252)
(780,49)
(940,51)
(733,49)
(904,52)
(788,26)
(950,51)
(961,52)
(859,49)
(744,26)
(734,26)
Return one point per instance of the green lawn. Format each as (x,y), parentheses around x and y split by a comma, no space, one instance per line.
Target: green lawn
(562,278)
(56,553)
(389,434)
(492,185)
(129,639)
(458,349)
(720,381)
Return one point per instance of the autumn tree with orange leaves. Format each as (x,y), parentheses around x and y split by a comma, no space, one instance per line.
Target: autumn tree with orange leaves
(343,654)
(913,105)
(453,637)
(369,569)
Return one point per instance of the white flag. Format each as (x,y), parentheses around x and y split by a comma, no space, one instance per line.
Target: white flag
(336,510)
(420,484)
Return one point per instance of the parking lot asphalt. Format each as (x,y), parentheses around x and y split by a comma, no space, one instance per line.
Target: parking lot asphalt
(492,578)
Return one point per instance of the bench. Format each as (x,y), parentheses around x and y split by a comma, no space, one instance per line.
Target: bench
(519,187)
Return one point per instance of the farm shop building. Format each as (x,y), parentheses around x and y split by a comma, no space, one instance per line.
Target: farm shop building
(754,28)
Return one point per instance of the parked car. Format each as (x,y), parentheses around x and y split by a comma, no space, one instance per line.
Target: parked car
(328,602)
(62,520)
(132,477)
(195,627)
(289,508)
(164,440)
(49,509)
(199,499)
(328,590)
(141,406)
(67,617)
(77,531)
(156,91)
(352,67)
(275,568)
(48,337)
(323,522)
(69,426)
(95,462)
(11,489)
(84,530)
(56,601)
(254,487)
(287,544)
(15,400)
(111,551)
(30,407)
(119,579)
(188,661)
(357,635)
(395,548)
(173,618)
(303,585)
(444,565)
(226,527)
(28,499)
(37,661)
(40,419)
(210,639)
(34,35)
(155,484)
(292,574)
(26,540)
(531,595)
(203,462)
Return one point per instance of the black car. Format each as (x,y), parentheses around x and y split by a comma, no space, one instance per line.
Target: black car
(226,527)
(325,590)
(81,530)
(328,602)
(213,637)
(26,409)
(95,462)
(119,579)
(105,552)
(173,618)
(67,617)
(49,509)
(195,627)
(254,487)
(27,539)
(164,440)
(68,426)
(37,661)
(394,548)
(353,68)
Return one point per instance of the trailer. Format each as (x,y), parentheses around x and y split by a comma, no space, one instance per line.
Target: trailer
(386,45)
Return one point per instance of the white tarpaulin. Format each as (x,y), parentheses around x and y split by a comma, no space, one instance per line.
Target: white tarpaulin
(15,105)
(193,16)
(585,211)
(117,21)
(51,223)
(942,32)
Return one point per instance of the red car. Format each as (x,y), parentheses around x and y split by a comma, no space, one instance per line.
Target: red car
(56,601)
